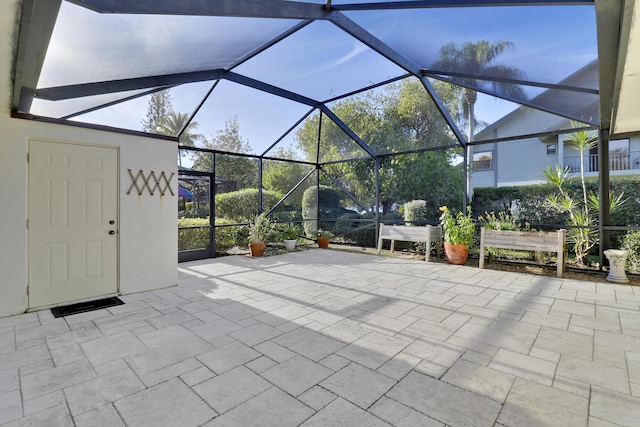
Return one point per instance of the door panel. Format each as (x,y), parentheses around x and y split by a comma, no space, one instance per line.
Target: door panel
(73,196)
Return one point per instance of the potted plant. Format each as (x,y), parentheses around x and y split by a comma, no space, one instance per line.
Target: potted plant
(290,235)
(323,238)
(458,235)
(260,230)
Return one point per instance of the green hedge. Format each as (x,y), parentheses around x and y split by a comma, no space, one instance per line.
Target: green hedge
(415,212)
(365,237)
(193,238)
(198,238)
(631,243)
(239,206)
(531,205)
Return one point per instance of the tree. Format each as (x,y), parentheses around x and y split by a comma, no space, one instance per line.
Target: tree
(158,107)
(241,169)
(173,123)
(416,117)
(283,176)
(583,142)
(478,59)
(401,118)
(162,119)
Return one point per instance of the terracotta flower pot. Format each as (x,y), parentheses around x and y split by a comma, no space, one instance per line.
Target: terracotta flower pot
(456,253)
(323,242)
(257,249)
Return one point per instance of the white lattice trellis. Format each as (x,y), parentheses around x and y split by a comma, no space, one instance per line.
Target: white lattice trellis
(151,182)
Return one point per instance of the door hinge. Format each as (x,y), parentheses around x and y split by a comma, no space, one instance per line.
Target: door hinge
(27,224)
(27,157)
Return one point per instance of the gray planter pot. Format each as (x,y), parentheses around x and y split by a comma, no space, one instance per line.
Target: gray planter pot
(290,245)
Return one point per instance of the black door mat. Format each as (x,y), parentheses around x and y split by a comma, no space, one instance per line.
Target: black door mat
(83,307)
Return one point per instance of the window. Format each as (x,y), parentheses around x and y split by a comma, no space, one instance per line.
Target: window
(551,149)
(483,160)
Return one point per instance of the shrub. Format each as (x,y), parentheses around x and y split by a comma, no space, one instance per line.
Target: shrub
(287,213)
(193,238)
(230,236)
(502,221)
(415,212)
(202,212)
(198,238)
(288,232)
(528,203)
(239,205)
(631,243)
(350,221)
(261,229)
(329,204)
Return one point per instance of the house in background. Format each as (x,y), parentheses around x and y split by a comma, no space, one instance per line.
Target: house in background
(522,161)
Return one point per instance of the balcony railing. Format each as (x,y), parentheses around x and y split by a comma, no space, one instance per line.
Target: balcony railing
(617,162)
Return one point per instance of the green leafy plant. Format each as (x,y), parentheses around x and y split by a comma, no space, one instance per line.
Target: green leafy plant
(582,213)
(324,233)
(501,221)
(415,211)
(631,243)
(261,229)
(290,232)
(458,228)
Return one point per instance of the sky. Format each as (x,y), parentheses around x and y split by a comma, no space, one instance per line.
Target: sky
(320,61)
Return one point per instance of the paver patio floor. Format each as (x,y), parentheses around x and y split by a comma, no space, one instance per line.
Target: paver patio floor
(330,338)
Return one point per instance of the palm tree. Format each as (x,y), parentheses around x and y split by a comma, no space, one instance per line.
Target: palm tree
(172,124)
(477,59)
(583,142)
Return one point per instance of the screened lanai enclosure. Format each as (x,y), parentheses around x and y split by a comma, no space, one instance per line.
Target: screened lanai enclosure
(335,115)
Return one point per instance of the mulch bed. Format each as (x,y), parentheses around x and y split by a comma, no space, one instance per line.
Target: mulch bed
(590,274)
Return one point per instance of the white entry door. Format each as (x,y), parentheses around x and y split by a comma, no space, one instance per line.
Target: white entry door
(73,214)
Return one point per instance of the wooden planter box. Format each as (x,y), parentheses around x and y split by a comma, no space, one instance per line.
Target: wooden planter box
(525,241)
(427,234)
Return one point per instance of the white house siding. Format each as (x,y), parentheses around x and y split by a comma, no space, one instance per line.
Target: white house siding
(148,236)
(520,160)
(523,160)
(483,179)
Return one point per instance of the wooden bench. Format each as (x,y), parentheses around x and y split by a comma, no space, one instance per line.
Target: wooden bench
(525,241)
(429,234)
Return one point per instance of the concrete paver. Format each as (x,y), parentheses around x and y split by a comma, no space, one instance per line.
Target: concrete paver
(533,404)
(324,337)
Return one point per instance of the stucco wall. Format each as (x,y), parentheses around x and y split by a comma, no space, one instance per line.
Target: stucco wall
(148,235)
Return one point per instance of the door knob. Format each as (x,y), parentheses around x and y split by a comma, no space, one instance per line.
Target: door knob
(112,222)
(112,232)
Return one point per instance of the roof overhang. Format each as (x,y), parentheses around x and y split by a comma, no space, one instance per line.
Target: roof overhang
(625,115)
